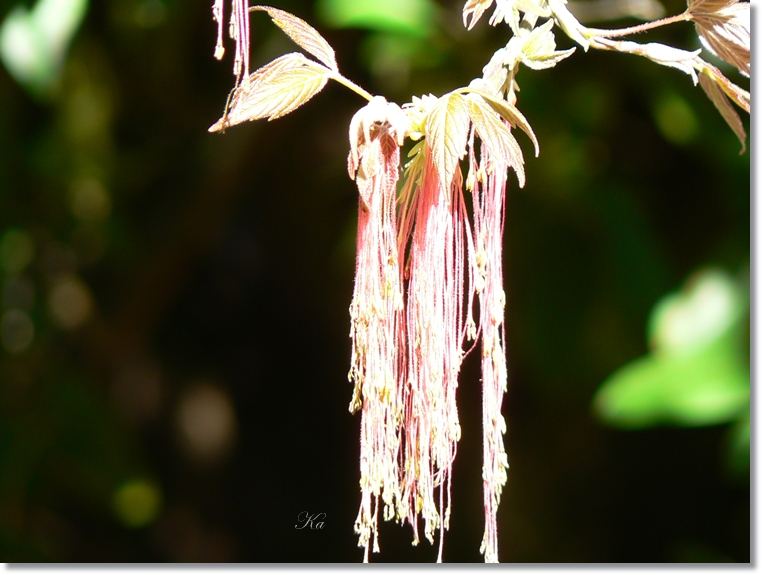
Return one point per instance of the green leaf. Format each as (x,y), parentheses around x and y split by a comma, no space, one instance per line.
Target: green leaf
(447,134)
(33,43)
(697,373)
(414,18)
(708,388)
(303,34)
(274,90)
(511,114)
(496,135)
(707,308)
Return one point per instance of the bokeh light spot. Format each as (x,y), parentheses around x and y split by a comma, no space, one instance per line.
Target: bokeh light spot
(206,422)
(16,250)
(89,200)
(696,316)
(137,503)
(16,330)
(70,302)
(676,120)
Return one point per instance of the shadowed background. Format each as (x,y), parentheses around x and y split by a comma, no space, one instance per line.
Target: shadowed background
(174,328)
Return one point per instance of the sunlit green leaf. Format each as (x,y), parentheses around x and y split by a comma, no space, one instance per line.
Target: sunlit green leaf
(447,134)
(418,111)
(496,135)
(515,118)
(538,50)
(303,34)
(274,90)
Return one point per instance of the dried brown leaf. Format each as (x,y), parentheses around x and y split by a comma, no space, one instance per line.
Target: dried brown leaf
(447,135)
(722,103)
(303,34)
(741,97)
(274,90)
(708,5)
(725,30)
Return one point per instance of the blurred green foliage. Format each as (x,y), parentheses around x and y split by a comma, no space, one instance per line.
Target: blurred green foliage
(410,18)
(698,370)
(173,314)
(697,373)
(403,34)
(34,43)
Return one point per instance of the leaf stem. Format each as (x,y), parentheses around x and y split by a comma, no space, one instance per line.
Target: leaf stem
(637,29)
(351,85)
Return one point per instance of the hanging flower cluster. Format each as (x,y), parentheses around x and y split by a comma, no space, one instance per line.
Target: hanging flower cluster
(413,308)
(424,268)
(377,307)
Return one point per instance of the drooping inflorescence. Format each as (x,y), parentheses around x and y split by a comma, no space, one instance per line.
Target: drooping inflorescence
(424,270)
(406,388)
(376,309)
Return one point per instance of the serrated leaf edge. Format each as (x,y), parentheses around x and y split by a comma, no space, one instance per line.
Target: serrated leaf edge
(303,34)
(495,134)
(284,100)
(510,113)
(447,135)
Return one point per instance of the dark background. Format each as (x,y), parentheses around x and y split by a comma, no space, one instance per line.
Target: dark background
(219,274)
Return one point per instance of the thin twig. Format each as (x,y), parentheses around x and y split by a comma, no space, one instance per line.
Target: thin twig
(352,86)
(590,32)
